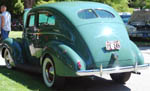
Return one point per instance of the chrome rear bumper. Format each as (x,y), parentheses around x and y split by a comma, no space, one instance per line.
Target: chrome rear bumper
(102,71)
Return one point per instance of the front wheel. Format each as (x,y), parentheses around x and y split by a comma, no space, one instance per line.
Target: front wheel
(121,77)
(49,74)
(8,59)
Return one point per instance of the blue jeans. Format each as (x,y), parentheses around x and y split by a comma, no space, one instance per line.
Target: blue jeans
(4,34)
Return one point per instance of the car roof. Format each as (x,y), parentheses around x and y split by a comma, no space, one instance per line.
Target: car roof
(74,7)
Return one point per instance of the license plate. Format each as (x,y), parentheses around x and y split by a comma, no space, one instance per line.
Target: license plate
(112,45)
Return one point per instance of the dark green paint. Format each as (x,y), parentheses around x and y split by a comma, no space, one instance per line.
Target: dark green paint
(71,39)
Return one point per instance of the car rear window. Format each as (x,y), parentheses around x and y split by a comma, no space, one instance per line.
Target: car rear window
(87,14)
(104,14)
(90,13)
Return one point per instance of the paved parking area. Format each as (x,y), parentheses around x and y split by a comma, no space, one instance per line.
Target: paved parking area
(2,63)
(146,53)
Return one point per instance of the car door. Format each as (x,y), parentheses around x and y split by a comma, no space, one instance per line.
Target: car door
(30,39)
(52,27)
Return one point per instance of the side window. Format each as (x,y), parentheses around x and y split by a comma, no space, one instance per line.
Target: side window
(31,21)
(46,19)
(64,27)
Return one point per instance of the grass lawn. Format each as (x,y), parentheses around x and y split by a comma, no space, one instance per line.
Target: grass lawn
(15,34)
(18,80)
(15,80)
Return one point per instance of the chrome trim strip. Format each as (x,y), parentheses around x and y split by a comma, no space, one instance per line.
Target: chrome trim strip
(112,70)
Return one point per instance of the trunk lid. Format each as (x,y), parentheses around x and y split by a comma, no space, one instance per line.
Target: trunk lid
(95,36)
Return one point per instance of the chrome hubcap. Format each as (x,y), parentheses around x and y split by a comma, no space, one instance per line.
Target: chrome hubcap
(8,59)
(49,72)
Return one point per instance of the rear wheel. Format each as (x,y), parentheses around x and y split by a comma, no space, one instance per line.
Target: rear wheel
(8,59)
(121,77)
(49,74)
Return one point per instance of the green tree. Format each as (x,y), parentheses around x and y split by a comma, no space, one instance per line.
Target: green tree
(139,3)
(147,2)
(40,2)
(29,3)
(15,7)
(119,5)
(18,8)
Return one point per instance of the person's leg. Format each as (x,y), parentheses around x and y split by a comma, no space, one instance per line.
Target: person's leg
(7,34)
(4,34)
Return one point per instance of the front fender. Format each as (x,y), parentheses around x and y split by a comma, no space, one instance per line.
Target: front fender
(15,49)
(137,53)
(65,59)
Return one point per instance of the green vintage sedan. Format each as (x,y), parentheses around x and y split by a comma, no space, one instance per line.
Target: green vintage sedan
(73,39)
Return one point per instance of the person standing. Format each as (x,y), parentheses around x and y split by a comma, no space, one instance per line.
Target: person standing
(5,22)
(0,28)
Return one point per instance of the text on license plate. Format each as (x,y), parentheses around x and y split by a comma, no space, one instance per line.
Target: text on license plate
(112,45)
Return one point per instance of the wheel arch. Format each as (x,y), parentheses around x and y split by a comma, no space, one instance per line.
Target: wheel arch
(14,48)
(44,56)
(3,50)
(64,58)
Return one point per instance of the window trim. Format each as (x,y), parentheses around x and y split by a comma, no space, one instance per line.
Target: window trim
(105,11)
(28,19)
(87,9)
(97,16)
(43,12)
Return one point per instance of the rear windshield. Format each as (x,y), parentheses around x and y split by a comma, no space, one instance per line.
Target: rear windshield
(90,13)
(87,14)
(104,13)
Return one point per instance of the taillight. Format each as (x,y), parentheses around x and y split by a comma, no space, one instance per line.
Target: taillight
(79,65)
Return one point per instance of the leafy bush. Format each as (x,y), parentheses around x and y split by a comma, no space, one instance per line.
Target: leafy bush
(40,2)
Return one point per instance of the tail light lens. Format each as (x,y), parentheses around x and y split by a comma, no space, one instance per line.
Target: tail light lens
(79,65)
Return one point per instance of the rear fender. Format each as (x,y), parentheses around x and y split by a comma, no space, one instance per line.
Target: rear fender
(66,60)
(137,54)
(15,49)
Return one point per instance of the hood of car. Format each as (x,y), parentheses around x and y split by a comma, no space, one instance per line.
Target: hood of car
(97,34)
(140,18)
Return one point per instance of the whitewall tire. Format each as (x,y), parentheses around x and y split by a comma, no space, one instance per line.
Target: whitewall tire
(8,59)
(49,74)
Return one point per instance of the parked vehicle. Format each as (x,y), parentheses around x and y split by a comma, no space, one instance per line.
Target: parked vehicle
(74,39)
(141,20)
(17,25)
(0,29)
(126,17)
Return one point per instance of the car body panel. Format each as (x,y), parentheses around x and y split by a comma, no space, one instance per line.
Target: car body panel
(74,44)
(15,49)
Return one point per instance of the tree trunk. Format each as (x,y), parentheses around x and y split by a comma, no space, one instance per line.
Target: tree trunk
(28,3)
